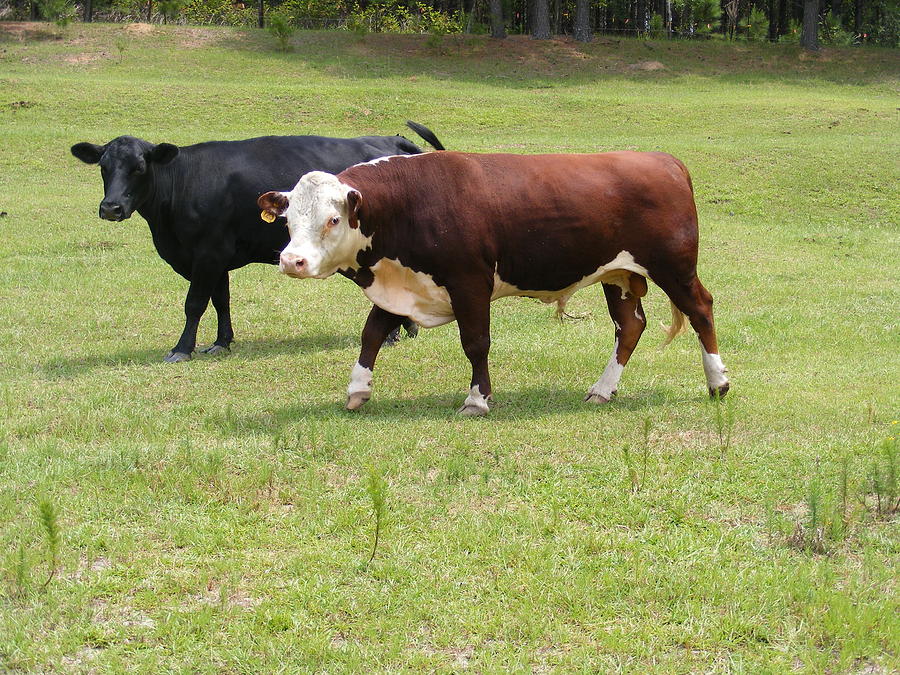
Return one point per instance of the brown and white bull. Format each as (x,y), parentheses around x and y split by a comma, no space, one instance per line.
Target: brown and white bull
(437,237)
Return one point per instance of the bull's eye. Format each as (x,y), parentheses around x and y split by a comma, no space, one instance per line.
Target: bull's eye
(334,220)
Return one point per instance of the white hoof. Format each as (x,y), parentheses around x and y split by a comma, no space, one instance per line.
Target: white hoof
(475,404)
(356,400)
(473,411)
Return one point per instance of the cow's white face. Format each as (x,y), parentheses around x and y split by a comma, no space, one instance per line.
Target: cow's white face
(322,216)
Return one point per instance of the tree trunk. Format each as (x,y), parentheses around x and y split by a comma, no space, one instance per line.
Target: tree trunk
(809,34)
(35,14)
(540,26)
(857,16)
(260,14)
(773,21)
(583,31)
(149,10)
(88,11)
(498,29)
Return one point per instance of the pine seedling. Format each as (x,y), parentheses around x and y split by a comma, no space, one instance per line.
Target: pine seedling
(630,471)
(843,486)
(645,450)
(49,522)
(376,486)
(815,532)
(21,574)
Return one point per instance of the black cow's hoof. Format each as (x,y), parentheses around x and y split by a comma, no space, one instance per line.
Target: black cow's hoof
(719,392)
(176,357)
(412,330)
(392,338)
(212,350)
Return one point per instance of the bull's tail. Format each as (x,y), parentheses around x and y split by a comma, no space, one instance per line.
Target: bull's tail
(679,324)
(426,133)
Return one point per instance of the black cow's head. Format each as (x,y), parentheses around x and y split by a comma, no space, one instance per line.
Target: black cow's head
(126,167)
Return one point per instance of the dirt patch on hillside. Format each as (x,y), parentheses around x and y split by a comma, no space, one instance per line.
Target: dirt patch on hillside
(139,28)
(647,65)
(27,30)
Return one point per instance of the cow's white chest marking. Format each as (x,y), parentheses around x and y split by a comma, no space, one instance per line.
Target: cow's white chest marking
(402,291)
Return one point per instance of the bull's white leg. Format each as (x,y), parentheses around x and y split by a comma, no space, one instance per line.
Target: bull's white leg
(604,388)
(475,403)
(360,388)
(716,379)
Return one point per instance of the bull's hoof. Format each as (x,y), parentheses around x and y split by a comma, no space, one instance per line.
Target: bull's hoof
(472,410)
(176,357)
(412,330)
(719,392)
(355,401)
(212,350)
(598,396)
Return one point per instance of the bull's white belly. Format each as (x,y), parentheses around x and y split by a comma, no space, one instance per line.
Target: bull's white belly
(405,292)
(615,272)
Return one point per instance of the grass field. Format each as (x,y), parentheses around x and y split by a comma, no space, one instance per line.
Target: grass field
(218,515)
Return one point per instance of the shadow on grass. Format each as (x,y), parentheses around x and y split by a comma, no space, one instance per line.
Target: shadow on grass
(62,368)
(520,404)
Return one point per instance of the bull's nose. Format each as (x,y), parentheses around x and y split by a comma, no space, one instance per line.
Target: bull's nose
(111,211)
(291,263)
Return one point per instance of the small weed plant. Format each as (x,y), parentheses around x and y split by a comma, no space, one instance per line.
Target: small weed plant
(879,494)
(376,486)
(636,479)
(50,524)
(723,419)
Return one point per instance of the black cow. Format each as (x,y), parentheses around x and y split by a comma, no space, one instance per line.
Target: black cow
(200,203)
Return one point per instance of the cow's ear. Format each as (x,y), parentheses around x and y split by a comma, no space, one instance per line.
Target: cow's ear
(273,204)
(354,201)
(163,153)
(89,153)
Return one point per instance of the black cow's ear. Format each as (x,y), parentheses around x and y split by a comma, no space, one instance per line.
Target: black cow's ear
(163,153)
(354,201)
(89,153)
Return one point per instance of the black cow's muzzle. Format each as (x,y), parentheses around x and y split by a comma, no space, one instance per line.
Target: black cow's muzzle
(112,211)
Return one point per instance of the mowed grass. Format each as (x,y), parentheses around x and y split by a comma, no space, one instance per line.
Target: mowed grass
(215,516)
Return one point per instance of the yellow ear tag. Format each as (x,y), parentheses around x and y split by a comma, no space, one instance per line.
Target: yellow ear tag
(266,216)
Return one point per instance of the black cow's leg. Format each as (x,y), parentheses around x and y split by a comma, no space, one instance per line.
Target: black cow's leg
(412,330)
(473,314)
(379,324)
(628,317)
(221,300)
(204,276)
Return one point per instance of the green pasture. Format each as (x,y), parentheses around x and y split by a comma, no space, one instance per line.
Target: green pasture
(217,516)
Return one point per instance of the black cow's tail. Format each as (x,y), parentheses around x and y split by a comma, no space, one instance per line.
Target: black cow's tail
(427,134)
